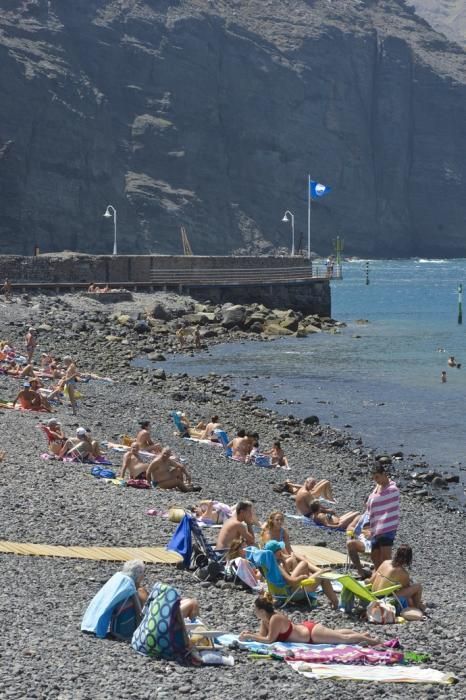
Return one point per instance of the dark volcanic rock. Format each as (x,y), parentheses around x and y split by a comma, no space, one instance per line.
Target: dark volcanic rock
(99,107)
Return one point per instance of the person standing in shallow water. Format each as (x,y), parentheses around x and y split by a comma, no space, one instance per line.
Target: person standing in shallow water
(443,377)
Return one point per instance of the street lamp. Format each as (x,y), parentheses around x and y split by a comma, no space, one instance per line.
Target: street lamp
(286,219)
(108,215)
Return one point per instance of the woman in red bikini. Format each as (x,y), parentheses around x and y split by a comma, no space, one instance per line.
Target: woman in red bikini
(276,627)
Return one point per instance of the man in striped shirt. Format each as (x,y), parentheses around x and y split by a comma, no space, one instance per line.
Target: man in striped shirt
(383,513)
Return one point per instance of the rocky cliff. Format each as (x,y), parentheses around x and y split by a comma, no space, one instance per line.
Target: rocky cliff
(446,16)
(210,114)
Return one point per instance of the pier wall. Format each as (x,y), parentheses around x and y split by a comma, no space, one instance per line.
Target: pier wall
(243,279)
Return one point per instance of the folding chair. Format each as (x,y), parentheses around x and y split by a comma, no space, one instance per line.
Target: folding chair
(276,584)
(362,590)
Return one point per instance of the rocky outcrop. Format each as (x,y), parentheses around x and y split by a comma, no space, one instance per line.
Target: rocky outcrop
(446,16)
(210,114)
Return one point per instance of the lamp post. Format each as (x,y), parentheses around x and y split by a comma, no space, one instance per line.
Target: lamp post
(286,219)
(108,215)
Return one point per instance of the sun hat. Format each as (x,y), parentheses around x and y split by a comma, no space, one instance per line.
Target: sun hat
(274,545)
(81,432)
(53,421)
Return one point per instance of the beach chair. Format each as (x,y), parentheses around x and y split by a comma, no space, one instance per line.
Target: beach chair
(176,418)
(361,590)
(281,591)
(222,437)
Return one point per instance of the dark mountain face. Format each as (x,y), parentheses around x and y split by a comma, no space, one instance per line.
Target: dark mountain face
(210,114)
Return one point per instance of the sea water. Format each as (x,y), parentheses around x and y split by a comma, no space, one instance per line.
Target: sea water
(383,377)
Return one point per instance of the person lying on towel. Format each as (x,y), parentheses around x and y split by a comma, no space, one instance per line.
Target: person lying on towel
(277,627)
(323,516)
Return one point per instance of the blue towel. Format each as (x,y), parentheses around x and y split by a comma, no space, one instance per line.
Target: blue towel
(181,541)
(99,611)
(265,559)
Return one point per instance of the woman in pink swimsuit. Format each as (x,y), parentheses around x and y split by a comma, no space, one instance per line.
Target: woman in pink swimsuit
(276,627)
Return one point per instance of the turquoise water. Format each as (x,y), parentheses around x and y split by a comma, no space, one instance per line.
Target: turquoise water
(386,383)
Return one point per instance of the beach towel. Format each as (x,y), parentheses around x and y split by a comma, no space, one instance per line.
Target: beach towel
(374,674)
(181,542)
(241,569)
(161,633)
(99,611)
(309,521)
(318,653)
(265,559)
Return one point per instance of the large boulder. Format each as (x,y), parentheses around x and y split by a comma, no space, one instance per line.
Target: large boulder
(276,329)
(233,316)
(290,323)
(161,312)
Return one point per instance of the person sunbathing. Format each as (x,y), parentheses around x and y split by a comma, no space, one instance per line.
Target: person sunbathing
(308,492)
(324,516)
(239,526)
(55,436)
(82,446)
(27,371)
(209,429)
(277,627)
(144,439)
(166,473)
(296,569)
(277,455)
(239,446)
(133,464)
(28,398)
(409,596)
(212,512)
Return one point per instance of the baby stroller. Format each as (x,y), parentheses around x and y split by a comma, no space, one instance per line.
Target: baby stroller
(198,554)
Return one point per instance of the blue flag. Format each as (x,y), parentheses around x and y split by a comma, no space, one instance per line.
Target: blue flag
(319,190)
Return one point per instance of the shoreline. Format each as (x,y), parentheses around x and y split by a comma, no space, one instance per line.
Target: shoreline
(59,504)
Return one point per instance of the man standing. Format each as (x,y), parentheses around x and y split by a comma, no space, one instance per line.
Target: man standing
(383,513)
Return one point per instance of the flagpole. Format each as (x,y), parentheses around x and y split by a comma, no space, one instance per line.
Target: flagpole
(309,217)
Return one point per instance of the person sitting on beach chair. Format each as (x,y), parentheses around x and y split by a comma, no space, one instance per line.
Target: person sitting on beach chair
(273,529)
(295,570)
(82,447)
(324,516)
(239,526)
(133,464)
(277,627)
(409,597)
(213,425)
(144,439)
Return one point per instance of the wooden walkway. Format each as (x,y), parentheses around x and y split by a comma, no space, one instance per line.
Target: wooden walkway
(150,555)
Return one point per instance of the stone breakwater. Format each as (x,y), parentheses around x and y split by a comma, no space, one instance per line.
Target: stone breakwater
(56,503)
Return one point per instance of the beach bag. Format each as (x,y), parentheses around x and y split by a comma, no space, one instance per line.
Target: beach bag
(212,572)
(262,461)
(346,602)
(138,483)
(380,612)
(161,633)
(126,618)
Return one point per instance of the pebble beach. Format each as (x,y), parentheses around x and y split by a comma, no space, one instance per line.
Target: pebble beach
(43,654)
